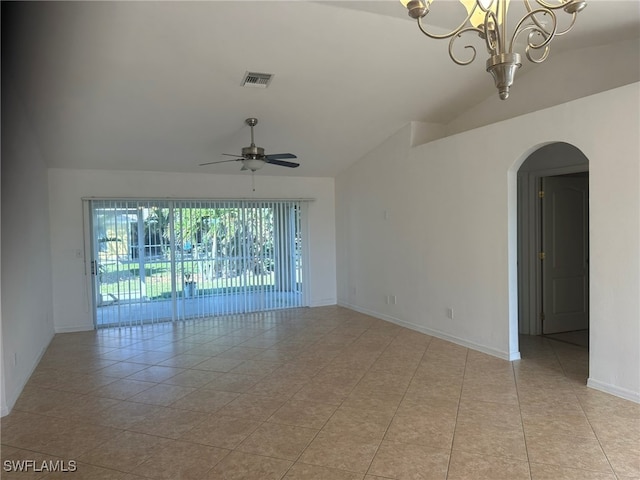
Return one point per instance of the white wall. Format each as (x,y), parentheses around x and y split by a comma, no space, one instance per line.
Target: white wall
(564,76)
(27,320)
(67,188)
(448,237)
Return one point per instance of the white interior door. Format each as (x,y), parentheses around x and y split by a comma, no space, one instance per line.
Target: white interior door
(565,268)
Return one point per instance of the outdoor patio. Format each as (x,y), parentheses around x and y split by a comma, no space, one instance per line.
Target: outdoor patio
(139,311)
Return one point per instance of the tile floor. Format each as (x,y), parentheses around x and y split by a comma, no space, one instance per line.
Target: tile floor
(323,393)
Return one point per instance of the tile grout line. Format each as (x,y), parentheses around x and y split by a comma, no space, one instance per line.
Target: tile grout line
(524,435)
(584,412)
(455,426)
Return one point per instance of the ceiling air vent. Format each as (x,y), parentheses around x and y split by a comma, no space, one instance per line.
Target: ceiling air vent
(256,80)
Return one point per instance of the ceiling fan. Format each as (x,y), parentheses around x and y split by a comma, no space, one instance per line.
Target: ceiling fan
(253,158)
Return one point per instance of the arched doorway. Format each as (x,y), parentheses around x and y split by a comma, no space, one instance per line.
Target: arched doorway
(553,286)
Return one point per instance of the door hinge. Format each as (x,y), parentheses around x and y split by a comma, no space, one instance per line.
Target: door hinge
(542,316)
(541,255)
(541,194)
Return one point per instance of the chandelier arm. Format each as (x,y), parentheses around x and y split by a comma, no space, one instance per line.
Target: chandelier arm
(541,58)
(492,37)
(534,28)
(552,7)
(471,47)
(545,9)
(574,16)
(503,27)
(453,33)
(541,26)
(530,49)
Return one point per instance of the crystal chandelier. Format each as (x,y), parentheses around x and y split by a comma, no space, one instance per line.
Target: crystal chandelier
(488,19)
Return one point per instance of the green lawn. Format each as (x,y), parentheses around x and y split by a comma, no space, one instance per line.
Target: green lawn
(121,279)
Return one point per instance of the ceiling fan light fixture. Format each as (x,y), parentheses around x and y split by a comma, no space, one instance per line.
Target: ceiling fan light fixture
(253,164)
(488,20)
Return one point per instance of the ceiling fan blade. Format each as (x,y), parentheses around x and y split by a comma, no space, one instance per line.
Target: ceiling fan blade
(221,161)
(282,163)
(279,156)
(232,155)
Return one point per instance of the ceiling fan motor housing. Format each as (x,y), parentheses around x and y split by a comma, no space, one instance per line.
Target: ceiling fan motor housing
(253,152)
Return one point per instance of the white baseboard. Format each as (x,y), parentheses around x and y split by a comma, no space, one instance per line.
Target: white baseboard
(322,302)
(613,390)
(74,328)
(436,333)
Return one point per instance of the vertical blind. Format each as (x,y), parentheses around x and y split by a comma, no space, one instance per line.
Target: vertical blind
(158,260)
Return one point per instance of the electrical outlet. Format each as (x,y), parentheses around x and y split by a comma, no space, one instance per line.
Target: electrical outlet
(450,313)
(393,299)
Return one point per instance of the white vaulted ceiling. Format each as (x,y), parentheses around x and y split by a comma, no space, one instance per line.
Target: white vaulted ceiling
(155,86)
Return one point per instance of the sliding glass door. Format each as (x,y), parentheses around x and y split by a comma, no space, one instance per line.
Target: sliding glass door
(158,260)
